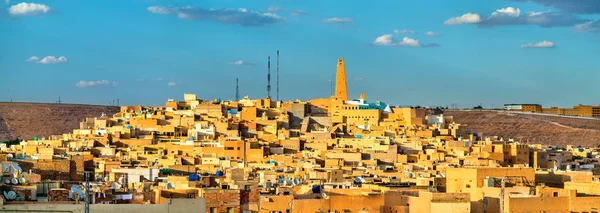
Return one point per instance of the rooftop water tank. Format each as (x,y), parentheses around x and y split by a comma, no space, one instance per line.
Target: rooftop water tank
(194,177)
(316,189)
(219,173)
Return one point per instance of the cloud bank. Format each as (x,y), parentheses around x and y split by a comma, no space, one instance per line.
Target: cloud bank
(239,16)
(513,16)
(571,6)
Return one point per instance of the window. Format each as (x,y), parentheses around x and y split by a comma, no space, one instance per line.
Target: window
(247,188)
(229,148)
(555,194)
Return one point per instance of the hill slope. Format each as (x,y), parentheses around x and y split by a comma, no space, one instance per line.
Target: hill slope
(549,130)
(41,119)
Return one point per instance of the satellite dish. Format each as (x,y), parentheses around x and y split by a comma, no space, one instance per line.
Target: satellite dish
(22,180)
(115,186)
(5,168)
(121,180)
(11,195)
(324,195)
(17,167)
(7,180)
(105,179)
(76,189)
(170,186)
(9,156)
(15,181)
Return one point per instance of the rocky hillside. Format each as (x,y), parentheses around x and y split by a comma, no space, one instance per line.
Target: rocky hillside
(27,120)
(531,128)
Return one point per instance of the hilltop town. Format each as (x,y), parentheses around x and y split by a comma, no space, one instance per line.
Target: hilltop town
(335,154)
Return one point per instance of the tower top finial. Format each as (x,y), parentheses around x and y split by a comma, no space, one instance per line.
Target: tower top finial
(362,96)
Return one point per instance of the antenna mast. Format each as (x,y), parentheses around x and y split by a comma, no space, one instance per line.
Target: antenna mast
(269,77)
(277,75)
(237,90)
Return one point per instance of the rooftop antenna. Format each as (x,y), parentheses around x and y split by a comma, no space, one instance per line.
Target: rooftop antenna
(269,77)
(277,75)
(237,90)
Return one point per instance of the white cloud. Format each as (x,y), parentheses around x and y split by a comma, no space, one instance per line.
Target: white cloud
(275,9)
(389,40)
(171,84)
(47,60)
(404,31)
(592,26)
(338,20)
(509,11)
(33,59)
(241,63)
(541,44)
(6,1)
(406,41)
(83,84)
(431,33)
(467,18)
(384,40)
(160,10)
(25,8)
(52,60)
(158,79)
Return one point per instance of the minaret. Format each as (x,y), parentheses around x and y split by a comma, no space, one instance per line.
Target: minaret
(341,91)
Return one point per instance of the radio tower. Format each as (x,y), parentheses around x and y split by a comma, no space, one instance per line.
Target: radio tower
(269,77)
(237,90)
(277,75)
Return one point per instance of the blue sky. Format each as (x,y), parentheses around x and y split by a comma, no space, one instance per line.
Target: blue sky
(428,52)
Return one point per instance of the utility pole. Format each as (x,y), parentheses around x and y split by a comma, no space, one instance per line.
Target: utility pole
(503,185)
(87,192)
(330,88)
(118,102)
